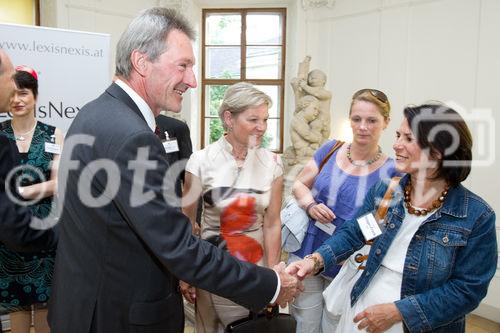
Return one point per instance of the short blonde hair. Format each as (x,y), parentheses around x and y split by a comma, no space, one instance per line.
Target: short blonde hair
(240,97)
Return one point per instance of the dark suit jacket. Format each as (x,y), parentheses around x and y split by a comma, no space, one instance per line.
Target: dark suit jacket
(117,266)
(180,131)
(15,231)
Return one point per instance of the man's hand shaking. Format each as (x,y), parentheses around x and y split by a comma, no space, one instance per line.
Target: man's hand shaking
(290,285)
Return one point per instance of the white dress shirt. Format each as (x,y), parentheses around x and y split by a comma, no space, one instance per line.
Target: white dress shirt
(141,104)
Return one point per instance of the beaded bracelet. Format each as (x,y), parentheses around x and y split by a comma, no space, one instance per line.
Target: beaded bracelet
(308,208)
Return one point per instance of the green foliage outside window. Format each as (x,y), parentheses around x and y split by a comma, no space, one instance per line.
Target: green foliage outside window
(215,125)
(216,130)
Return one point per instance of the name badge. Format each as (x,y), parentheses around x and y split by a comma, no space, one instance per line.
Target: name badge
(329,228)
(52,148)
(171,146)
(369,226)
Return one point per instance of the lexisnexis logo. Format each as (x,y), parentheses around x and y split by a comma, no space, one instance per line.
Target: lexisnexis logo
(52,109)
(40,47)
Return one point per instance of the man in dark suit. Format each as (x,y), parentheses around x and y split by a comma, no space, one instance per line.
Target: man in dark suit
(177,131)
(123,244)
(15,231)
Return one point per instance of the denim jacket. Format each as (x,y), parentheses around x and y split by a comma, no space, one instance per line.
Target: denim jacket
(449,263)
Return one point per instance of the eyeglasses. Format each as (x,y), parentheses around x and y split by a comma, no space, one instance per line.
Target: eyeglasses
(374,92)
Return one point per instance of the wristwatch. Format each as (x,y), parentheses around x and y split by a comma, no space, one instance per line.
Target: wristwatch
(318,266)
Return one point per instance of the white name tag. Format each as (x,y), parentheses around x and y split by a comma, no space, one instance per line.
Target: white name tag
(171,146)
(329,228)
(52,148)
(369,226)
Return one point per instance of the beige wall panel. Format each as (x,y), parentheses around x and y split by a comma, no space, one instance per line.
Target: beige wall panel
(442,51)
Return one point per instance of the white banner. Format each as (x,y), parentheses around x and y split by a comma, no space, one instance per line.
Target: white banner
(72,66)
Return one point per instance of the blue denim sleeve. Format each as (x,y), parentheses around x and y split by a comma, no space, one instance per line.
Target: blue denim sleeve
(474,267)
(349,238)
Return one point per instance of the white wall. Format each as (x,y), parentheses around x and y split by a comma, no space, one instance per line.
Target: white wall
(415,51)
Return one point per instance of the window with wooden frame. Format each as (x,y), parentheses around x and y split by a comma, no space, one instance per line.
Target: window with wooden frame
(243,45)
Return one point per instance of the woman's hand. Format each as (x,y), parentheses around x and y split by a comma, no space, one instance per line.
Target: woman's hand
(320,212)
(305,267)
(188,291)
(378,318)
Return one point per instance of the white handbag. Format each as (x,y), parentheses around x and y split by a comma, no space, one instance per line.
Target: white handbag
(338,294)
(294,223)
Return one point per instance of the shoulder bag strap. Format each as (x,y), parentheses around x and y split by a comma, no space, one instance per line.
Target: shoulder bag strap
(386,200)
(335,147)
(380,215)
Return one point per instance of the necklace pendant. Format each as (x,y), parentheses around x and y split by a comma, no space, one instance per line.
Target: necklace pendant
(20,138)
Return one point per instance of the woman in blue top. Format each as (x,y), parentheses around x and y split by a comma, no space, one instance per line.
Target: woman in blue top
(333,195)
(437,253)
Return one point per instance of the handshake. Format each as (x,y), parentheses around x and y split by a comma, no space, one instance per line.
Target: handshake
(291,281)
(291,278)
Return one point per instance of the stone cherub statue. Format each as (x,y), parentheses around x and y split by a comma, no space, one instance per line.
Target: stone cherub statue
(308,131)
(305,130)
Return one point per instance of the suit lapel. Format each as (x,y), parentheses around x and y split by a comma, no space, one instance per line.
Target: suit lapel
(117,92)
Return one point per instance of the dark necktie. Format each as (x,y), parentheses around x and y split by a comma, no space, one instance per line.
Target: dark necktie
(160,134)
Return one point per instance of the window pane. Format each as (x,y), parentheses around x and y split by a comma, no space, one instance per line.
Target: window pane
(213,130)
(263,29)
(263,62)
(272,136)
(273,92)
(214,95)
(223,62)
(223,29)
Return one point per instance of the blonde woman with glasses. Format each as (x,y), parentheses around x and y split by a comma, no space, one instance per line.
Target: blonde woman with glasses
(333,193)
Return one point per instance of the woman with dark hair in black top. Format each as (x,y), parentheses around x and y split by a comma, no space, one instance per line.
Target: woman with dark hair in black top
(25,278)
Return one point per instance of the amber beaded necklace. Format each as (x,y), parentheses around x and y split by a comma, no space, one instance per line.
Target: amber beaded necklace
(423,211)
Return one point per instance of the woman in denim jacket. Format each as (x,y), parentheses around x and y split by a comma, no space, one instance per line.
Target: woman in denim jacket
(437,253)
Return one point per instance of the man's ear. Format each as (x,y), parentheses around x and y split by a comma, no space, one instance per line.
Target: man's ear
(139,62)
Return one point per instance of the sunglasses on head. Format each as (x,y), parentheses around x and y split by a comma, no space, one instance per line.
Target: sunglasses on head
(374,92)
